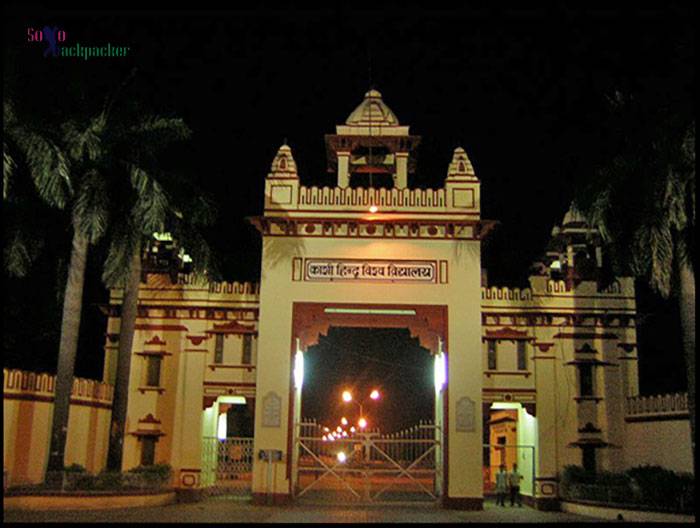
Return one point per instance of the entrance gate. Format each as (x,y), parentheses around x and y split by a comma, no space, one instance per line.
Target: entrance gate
(227,466)
(373,467)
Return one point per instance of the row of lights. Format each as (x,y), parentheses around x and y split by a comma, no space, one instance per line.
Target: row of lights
(339,432)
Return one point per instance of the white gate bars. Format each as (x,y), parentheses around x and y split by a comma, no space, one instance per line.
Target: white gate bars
(227,466)
(368,466)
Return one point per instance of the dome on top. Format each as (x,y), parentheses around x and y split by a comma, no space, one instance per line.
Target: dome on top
(573,216)
(372,111)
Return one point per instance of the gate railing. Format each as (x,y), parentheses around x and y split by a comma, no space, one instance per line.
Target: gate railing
(374,467)
(227,465)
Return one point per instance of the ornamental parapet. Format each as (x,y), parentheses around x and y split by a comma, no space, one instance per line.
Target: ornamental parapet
(362,198)
(660,405)
(21,384)
(236,288)
(495,293)
(456,200)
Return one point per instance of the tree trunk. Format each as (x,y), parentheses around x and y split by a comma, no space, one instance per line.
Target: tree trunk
(687,309)
(126,339)
(70,329)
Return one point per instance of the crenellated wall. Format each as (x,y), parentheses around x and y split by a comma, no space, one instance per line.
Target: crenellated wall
(362,197)
(27,415)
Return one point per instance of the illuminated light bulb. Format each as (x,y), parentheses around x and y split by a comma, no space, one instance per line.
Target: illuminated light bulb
(352,429)
(324,438)
(344,421)
(345,433)
(347,396)
(362,423)
(339,429)
(374,395)
(342,457)
(373,209)
(326,430)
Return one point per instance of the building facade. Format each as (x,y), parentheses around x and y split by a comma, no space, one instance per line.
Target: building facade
(545,376)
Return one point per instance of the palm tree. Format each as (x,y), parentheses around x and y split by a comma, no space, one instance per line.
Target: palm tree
(181,210)
(643,203)
(81,166)
(50,162)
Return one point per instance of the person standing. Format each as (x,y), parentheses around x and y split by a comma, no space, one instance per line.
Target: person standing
(501,486)
(514,479)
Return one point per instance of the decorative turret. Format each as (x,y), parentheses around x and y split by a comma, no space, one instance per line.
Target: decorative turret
(462,185)
(282,182)
(283,166)
(461,166)
(574,253)
(371,149)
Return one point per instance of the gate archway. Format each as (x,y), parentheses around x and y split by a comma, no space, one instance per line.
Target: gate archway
(387,461)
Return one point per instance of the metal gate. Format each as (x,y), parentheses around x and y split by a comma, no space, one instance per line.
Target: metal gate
(368,466)
(227,466)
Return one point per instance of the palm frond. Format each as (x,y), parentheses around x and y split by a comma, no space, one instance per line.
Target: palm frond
(8,169)
(48,167)
(125,238)
(152,204)
(84,142)
(91,206)
(19,253)
(151,134)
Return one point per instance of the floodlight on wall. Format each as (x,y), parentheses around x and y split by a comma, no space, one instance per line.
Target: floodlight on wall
(234,400)
(298,369)
(440,372)
(221,427)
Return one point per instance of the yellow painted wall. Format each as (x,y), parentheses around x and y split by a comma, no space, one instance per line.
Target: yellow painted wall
(665,443)
(27,417)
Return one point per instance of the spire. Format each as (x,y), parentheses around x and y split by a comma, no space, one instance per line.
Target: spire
(283,166)
(460,167)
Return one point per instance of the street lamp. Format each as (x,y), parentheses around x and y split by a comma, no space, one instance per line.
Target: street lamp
(347,397)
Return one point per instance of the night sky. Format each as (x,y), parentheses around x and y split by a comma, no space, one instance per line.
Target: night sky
(523,90)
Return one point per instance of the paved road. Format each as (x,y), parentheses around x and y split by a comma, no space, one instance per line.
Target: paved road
(239,511)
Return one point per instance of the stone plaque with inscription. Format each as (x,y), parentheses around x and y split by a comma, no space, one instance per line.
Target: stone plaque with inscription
(272,410)
(465,415)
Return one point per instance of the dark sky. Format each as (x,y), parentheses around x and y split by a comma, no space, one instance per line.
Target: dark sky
(523,90)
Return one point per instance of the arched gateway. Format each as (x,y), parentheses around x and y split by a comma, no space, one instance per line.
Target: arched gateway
(360,255)
(537,377)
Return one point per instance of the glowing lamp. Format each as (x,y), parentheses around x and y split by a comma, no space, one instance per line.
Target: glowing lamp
(362,423)
(347,396)
(342,457)
(344,421)
(299,369)
(374,394)
(373,209)
(221,427)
